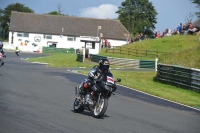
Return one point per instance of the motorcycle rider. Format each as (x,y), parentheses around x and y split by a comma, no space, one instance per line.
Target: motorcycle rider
(17,50)
(3,53)
(96,75)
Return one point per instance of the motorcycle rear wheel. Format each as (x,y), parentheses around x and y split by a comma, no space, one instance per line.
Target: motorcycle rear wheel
(100,109)
(78,107)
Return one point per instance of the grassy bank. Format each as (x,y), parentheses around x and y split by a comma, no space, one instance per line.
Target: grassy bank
(182,50)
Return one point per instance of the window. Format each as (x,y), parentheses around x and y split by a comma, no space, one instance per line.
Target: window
(71,38)
(24,34)
(47,36)
(90,45)
(19,34)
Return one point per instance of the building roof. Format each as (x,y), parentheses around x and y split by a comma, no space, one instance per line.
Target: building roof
(196,23)
(66,25)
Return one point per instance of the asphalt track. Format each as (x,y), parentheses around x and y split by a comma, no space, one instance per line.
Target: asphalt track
(35,98)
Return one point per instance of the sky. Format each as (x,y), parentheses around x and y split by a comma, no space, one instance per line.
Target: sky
(170,12)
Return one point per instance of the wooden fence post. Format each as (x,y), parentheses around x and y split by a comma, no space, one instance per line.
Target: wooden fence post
(128,51)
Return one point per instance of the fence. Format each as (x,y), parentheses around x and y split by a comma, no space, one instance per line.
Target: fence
(132,63)
(188,78)
(134,52)
(58,50)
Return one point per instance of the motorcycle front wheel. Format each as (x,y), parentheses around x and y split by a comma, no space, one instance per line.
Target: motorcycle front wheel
(78,107)
(100,108)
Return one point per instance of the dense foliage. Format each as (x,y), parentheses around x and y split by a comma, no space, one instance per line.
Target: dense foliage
(138,16)
(198,6)
(6,13)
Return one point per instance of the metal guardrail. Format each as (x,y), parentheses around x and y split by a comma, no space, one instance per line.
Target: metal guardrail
(132,63)
(96,58)
(188,78)
(58,50)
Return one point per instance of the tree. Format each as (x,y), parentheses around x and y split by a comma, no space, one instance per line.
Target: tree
(138,16)
(59,12)
(189,18)
(198,6)
(59,6)
(6,13)
(54,13)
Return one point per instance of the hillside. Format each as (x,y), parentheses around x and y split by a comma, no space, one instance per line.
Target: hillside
(183,50)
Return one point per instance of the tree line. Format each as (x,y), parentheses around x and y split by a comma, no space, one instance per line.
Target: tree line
(138,16)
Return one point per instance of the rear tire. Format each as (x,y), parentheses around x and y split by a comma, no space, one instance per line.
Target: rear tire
(78,107)
(99,110)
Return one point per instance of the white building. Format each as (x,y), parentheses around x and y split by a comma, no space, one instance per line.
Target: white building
(32,31)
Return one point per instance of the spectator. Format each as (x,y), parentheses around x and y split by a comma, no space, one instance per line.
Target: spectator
(175,32)
(181,29)
(178,29)
(189,27)
(193,30)
(106,42)
(158,34)
(127,37)
(184,30)
(168,32)
(142,37)
(109,45)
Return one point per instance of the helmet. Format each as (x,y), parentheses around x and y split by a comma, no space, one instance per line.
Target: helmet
(104,64)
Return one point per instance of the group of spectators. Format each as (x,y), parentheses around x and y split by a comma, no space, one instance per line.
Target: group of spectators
(180,30)
(105,43)
(137,37)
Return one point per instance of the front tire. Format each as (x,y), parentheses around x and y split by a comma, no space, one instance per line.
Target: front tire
(100,108)
(78,107)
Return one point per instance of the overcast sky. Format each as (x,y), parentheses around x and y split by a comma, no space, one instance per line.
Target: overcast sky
(170,12)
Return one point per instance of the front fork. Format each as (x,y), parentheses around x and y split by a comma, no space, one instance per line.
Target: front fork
(99,97)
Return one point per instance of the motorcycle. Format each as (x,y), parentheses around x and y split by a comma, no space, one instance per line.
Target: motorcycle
(1,59)
(17,52)
(96,102)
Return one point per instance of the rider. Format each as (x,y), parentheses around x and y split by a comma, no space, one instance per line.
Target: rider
(1,48)
(16,49)
(97,73)
(3,53)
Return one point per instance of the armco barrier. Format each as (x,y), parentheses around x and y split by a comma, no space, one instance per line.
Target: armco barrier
(188,78)
(132,63)
(147,64)
(96,58)
(58,50)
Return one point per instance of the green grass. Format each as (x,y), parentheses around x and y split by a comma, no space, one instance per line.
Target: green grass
(62,60)
(184,52)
